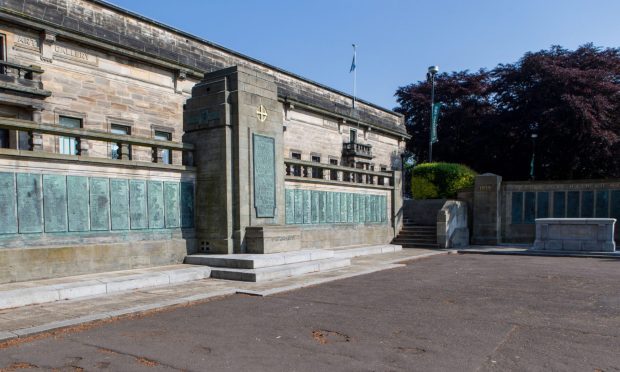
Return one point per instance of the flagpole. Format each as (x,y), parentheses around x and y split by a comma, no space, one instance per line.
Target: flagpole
(354,73)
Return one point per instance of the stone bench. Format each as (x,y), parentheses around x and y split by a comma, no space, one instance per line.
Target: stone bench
(575,234)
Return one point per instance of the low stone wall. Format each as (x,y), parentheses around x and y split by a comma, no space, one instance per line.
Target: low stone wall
(22,264)
(422,212)
(575,234)
(452,229)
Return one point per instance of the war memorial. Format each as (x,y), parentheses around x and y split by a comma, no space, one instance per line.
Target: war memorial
(125,143)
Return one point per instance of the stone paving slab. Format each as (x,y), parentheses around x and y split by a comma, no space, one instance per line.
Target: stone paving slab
(30,320)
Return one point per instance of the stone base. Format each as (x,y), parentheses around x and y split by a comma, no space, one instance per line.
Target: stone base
(22,264)
(272,239)
(575,234)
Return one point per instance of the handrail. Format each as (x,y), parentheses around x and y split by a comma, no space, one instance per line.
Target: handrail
(27,125)
(30,68)
(336,167)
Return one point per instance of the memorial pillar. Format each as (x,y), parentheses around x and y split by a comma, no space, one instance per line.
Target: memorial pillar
(487,209)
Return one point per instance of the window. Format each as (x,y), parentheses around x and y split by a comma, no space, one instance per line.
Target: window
(316,171)
(166,154)
(296,168)
(333,174)
(2,53)
(116,148)
(68,145)
(353,136)
(4,139)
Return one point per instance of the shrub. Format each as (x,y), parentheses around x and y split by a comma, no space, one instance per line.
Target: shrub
(440,180)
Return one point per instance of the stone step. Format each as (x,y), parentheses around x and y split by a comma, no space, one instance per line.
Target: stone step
(96,284)
(411,228)
(366,250)
(400,240)
(256,261)
(280,271)
(417,233)
(420,245)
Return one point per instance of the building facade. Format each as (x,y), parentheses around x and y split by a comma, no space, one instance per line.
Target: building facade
(126,143)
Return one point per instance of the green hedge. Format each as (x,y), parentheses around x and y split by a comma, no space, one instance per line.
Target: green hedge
(440,180)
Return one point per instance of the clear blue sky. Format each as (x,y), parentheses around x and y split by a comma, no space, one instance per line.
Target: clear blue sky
(397,40)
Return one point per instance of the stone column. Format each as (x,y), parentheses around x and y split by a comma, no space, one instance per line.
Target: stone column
(235,122)
(486,209)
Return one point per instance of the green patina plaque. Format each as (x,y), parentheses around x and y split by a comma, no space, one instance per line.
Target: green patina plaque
(155,197)
(559,204)
(615,205)
(349,207)
(587,204)
(187,204)
(530,207)
(99,204)
(368,208)
(329,207)
(119,204)
(542,211)
(516,214)
(337,207)
(315,206)
(384,209)
(307,206)
(8,204)
(298,210)
(322,206)
(264,176)
(363,215)
(78,203)
(171,205)
(572,204)
(356,208)
(290,206)
(602,204)
(137,205)
(343,207)
(55,203)
(29,203)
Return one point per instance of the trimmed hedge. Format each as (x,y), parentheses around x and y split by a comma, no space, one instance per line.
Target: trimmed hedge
(440,180)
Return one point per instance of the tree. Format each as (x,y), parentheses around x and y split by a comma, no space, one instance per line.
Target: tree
(487,118)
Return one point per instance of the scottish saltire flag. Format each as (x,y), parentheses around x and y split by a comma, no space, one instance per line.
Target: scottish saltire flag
(353,62)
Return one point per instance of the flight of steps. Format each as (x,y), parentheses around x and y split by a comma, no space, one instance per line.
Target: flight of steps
(263,267)
(417,236)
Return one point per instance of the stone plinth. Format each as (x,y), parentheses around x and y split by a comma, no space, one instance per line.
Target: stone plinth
(272,239)
(575,234)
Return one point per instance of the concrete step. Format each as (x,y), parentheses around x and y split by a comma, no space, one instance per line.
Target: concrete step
(417,233)
(280,271)
(256,261)
(419,229)
(50,290)
(351,252)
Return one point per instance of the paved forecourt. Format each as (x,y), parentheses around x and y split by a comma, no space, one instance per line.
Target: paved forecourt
(447,312)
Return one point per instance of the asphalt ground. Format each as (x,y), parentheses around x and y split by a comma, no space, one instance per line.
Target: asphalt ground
(444,313)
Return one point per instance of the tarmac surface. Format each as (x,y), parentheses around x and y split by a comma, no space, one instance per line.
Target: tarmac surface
(443,313)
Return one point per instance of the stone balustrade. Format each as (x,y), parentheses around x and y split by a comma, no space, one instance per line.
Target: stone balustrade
(123,142)
(328,173)
(24,79)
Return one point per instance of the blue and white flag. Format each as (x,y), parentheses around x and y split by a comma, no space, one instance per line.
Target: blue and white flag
(353,62)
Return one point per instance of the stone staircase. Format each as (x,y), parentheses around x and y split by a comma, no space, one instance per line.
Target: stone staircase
(417,236)
(263,267)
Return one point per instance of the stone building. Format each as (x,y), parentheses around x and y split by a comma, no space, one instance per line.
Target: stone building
(126,143)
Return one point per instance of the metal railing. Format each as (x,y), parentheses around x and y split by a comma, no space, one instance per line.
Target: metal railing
(328,173)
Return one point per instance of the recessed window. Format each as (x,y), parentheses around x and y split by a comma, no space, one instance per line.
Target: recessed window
(316,171)
(296,155)
(4,138)
(333,174)
(166,154)
(116,148)
(68,145)
(353,136)
(2,52)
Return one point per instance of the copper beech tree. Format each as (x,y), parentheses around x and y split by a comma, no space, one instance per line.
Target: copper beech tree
(569,99)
